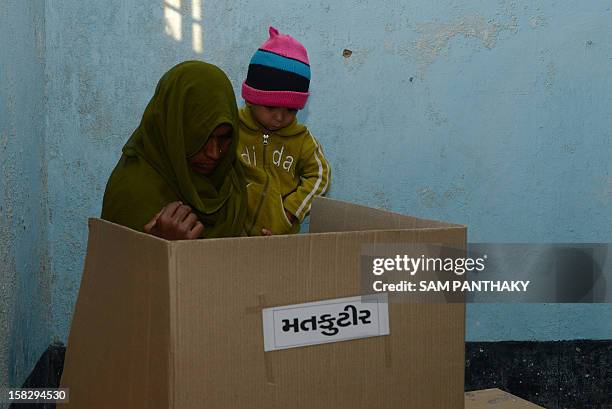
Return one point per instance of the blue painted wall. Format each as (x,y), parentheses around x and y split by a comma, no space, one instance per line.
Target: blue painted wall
(493,114)
(25,284)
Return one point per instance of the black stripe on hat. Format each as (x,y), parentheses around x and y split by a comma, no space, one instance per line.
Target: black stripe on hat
(266,78)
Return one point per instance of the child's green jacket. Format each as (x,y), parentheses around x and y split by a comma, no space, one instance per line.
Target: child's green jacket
(285,170)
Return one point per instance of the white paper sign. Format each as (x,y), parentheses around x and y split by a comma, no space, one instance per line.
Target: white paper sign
(326,321)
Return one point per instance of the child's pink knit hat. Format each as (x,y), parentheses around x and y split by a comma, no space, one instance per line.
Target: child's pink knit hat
(279,73)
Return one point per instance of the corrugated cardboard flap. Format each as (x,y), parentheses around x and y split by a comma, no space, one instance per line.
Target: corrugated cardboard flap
(118,347)
(330,215)
(496,399)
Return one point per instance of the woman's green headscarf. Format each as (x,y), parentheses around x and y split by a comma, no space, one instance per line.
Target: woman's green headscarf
(190,101)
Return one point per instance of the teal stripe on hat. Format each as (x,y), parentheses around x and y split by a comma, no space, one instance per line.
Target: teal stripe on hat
(269,59)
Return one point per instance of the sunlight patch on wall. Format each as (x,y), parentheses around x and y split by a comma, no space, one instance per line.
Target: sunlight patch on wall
(196,35)
(173,20)
(179,16)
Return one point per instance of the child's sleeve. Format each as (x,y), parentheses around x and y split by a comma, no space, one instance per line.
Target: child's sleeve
(314,173)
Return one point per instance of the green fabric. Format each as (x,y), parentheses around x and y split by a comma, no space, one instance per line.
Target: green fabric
(190,101)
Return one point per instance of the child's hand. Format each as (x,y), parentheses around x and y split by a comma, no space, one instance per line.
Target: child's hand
(175,221)
(290,216)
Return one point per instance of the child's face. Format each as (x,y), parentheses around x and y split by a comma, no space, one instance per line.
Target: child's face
(273,118)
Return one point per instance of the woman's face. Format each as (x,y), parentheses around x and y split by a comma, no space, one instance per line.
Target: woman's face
(205,161)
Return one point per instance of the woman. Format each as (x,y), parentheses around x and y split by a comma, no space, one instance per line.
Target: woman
(178,177)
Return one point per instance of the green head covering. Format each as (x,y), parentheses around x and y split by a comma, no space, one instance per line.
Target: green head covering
(190,101)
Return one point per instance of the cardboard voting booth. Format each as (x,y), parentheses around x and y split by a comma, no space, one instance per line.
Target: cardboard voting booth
(250,322)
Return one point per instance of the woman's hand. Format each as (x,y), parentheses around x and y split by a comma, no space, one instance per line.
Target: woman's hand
(175,221)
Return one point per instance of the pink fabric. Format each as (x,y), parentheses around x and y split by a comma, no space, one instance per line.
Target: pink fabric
(287,99)
(285,45)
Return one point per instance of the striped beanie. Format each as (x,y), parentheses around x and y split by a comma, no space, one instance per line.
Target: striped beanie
(279,73)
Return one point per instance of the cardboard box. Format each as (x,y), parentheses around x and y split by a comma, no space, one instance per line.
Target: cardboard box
(496,399)
(162,324)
